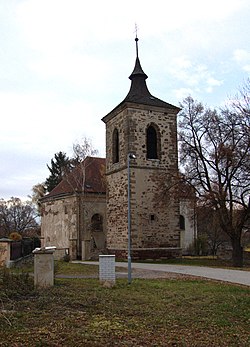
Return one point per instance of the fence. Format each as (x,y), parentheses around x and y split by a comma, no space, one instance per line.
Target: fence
(11,251)
(22,248)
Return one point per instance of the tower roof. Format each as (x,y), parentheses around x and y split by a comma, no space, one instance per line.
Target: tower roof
(139,92)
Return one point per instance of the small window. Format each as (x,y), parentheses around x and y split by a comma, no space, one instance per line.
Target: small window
(182,222)
(152,217)
(115,146)
(152,143)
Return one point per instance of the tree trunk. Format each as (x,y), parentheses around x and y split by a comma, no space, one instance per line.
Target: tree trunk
(237,255)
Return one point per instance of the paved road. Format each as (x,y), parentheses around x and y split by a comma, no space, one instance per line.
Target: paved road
(226,275)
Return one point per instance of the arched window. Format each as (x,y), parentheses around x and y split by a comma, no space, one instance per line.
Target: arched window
(96,222)
(152,143)
(115,146)
(182,222)
(97,241)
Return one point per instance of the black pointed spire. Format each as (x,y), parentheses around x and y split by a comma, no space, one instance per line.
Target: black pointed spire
(139,93)
(137,69)
(138,88)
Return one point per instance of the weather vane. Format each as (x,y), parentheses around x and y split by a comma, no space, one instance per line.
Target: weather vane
(136,30)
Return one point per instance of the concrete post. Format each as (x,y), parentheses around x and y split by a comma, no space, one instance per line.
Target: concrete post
(107,268)
(44,266)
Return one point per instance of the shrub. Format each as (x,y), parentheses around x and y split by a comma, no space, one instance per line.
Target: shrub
(199,246)
(66,258)
(15,236)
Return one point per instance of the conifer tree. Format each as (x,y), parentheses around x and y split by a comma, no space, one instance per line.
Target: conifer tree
(60,166)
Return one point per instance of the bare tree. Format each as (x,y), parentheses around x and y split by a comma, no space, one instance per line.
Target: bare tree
(209,229)
(82,149)
(241,102)
(38,191)
(87,176)
(16,215)
(215,156)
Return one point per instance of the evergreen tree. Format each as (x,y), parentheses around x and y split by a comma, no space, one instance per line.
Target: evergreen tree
(60,165)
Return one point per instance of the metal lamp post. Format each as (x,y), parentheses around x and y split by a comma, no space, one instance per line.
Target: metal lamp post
(130,156)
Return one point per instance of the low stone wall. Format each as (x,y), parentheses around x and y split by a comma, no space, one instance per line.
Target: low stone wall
(147,253)
(28,259)
(14,253)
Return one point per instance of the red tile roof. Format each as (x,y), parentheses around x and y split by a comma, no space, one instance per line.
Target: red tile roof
(87,177)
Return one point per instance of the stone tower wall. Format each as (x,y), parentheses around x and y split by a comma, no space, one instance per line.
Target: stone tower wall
(154,215)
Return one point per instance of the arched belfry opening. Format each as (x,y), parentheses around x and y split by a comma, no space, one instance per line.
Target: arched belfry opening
(152,142)
(115,146)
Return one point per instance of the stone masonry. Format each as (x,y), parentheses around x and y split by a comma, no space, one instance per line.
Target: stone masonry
(59,224)
(66,224)
(154,223)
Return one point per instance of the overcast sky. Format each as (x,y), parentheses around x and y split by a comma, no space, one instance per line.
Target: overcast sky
(64,64)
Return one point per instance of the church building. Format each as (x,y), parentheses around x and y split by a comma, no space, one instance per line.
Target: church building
(91,211)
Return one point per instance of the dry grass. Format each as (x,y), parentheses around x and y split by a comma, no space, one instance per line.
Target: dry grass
(81,312)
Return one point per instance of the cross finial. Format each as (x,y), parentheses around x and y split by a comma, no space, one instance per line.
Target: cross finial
(136,39)
(136,30)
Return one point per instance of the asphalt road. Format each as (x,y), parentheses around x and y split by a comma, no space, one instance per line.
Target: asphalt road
(225,275)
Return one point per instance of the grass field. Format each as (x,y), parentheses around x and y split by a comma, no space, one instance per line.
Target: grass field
(81,312)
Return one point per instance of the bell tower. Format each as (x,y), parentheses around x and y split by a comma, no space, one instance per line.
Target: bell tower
(145,128)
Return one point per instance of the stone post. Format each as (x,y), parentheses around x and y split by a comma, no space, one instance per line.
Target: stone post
(5,252)
(44,266)
(107,268)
